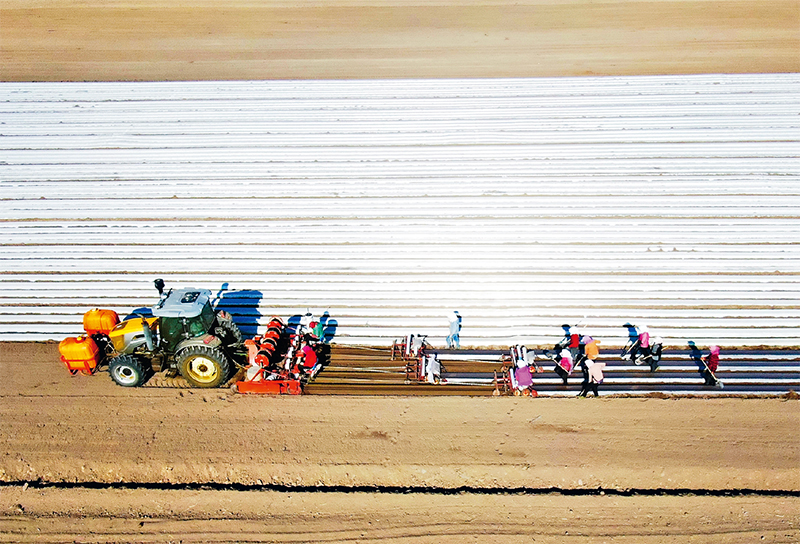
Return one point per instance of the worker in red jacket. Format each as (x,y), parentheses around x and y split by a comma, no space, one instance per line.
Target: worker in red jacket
(309,355)
(575,344)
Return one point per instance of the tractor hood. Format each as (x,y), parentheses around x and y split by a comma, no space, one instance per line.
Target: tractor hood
(182,303)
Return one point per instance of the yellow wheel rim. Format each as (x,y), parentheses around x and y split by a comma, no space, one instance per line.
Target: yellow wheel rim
(203,369)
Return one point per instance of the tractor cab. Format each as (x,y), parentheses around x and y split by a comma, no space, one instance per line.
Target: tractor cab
(183,314)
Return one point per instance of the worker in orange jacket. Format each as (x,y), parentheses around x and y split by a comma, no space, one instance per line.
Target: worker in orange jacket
(591,352)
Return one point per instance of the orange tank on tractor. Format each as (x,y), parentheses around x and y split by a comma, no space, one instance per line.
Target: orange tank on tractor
(80,354)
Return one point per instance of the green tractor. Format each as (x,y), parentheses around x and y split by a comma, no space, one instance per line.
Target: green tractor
(185,335)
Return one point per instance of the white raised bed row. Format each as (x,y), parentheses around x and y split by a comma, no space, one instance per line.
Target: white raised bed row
(392,251)
(271,169)
(210,150)
(430,209)
(205,263)
(657,234)
(524,203)
(287,286)
(347,187)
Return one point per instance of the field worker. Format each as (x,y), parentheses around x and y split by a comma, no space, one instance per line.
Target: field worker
(595,376)
(591,352)
(711,363)
(318,329)
(590,348)
(644,341)
(564,365)
(453,339)
(309,355)
(415,344)
(433,369)
(521,358)
(566,359)
(574,343)
(630,349)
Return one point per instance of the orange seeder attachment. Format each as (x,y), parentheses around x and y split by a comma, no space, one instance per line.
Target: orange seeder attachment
(260,385)
(265,375)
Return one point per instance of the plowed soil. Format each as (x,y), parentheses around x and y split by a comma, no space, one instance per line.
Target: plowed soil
(277,39)
(85,459)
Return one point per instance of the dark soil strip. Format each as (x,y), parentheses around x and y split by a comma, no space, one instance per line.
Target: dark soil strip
(464,490)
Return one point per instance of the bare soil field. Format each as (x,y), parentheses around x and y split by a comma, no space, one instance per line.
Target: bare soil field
(60,428)
(129,40)
(134,515)
(83,459)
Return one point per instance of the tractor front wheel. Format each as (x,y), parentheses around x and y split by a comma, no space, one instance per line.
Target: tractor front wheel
(127,371)
(203,366)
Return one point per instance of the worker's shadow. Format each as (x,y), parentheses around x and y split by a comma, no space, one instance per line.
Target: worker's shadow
(633,334)
(243,305)
(326,328)
(696,355)
(329,326)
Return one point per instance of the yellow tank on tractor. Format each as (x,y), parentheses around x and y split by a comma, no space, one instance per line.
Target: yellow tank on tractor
(184,335)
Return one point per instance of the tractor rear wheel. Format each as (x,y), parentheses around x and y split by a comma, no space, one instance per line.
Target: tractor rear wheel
(231,336)
(127,371)
(203,366)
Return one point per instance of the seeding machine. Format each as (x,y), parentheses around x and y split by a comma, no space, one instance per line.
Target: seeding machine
(422,365)
(284,359)
(185,335)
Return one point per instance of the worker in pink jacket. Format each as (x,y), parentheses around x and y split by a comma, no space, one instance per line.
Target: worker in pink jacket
(712,363)
(564,365)
(644,340)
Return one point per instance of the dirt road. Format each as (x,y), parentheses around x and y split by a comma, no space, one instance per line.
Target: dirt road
(77,40)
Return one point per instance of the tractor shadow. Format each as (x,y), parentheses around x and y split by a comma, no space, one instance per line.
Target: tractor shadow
(137,313)
(244,305)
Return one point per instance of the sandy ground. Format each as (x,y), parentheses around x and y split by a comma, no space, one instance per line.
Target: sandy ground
(80,40)
(58,428)
(106,463)
(224,516)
